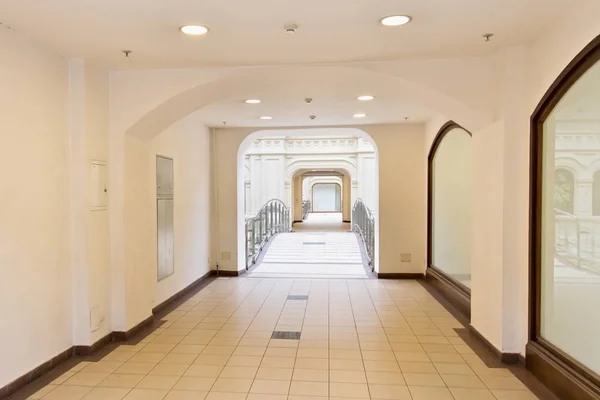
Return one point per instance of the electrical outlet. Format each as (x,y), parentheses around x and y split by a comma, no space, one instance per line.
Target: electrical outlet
(405,257)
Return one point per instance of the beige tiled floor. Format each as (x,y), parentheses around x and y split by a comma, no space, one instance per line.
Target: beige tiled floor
(361,339)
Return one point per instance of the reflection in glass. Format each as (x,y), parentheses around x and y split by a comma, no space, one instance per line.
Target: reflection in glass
(452,206)
(571,223)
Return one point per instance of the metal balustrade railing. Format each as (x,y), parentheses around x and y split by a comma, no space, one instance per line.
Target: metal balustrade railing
(272,218)
(568,237)
(306,209)
(363,222)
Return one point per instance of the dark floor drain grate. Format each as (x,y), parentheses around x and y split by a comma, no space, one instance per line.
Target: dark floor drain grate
(297,297)
(286,335)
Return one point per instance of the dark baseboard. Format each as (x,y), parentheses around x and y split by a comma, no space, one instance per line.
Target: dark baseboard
(89,350)
(120,336)
(458,296)
(182,293)
(32,375)
(565,381)
(229,273)
(400,275)
(504,358)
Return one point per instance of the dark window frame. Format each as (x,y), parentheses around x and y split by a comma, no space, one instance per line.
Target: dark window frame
(561,372)
(438,274)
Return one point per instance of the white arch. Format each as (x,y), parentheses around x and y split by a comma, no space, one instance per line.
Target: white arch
(330,163)
(252,80)
(572,165)
(262,133)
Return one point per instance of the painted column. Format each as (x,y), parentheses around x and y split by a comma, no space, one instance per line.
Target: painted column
(297,195)
(255,183)
(346,198)
(583,197)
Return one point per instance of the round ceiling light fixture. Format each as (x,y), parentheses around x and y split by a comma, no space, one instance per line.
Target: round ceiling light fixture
(266,117)
(359,115)
(365,97)
(194,30)
(252,101)
(395,20)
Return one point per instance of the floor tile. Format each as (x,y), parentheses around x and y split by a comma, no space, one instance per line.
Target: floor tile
(86,379)
(121,381)
(399,392)
(194,383)
(345,376)
(349,390)
(42,392)
(157,382)
(68,393)
(104,393)
(225,396)
(385,378)
(169,369)
(414,379)
(430,393)
(146,394)
(473,394)
(270,387)
(135,368)
(309,388)
(513,395)
(463,381)
(232,385)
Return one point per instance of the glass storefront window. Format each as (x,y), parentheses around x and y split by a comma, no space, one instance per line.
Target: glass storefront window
(570,223)
(452,180)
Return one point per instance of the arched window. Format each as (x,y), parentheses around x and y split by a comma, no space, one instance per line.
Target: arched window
(564,190)
(450,208)
(565,254)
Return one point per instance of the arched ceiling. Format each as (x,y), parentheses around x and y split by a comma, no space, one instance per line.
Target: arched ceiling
(251,32)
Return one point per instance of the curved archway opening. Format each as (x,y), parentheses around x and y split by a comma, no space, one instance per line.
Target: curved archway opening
(285,156)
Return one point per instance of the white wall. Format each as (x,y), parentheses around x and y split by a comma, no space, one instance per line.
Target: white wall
(487,226)
(400,196)
(35,289)
(326,197)
(188,143)
(452,203)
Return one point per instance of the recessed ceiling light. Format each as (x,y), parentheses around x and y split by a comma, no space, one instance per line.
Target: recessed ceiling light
(266,117)
(365,98)
(359,115)
(395,20)
(253,101)
(194,30)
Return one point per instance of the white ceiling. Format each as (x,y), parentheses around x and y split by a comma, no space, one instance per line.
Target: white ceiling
(251,32)
(334,103)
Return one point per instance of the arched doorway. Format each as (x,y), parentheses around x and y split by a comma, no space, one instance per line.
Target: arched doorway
(292,195)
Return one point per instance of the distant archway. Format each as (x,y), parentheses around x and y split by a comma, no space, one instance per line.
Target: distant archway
(262,133)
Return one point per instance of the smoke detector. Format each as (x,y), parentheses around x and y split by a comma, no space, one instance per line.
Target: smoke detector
(308,100)
(312,117)
(290,29)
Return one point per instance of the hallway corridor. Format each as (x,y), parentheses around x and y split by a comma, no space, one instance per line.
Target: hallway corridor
(355,339)
(312,255)
(331,222)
